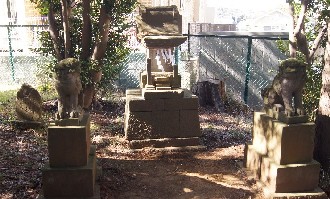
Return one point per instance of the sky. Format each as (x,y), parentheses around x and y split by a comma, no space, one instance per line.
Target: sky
(250,4)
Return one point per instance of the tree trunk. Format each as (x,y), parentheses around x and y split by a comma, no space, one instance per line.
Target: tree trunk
(297,37)
(86,42)
(90,90)
(322,137)
(292,41)
(210,94)
(66,27)
(98,55)
(54,33)
(322,140)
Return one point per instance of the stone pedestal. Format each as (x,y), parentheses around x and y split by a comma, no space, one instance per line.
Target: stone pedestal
(281,157)
(161,118)
(71,171)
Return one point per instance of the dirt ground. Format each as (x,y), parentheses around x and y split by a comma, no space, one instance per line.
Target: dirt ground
(148,173)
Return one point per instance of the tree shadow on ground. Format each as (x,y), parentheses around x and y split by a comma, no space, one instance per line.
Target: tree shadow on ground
(174,175)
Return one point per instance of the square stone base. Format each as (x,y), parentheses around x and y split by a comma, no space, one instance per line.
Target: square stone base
(284,143)
(96,195)
(69,146)
(161,119)
(281,178)
(314,194)
(71,182)
(289,178)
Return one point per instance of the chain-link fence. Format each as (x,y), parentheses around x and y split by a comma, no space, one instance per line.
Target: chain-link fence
(246,63)
(18,61)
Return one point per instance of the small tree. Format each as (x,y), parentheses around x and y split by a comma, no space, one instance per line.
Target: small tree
(322,121)
(304,42)
(92,31)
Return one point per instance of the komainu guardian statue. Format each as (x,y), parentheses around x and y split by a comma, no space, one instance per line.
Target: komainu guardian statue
(68,86)
(287,87)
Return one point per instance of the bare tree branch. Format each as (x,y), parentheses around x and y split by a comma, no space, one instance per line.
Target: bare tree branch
(101,42)
(317,41)
(301,18)
(86,30)
(292,43)
(66,27)
(54,33)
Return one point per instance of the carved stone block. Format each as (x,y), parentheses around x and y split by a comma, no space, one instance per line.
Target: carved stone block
(28,104)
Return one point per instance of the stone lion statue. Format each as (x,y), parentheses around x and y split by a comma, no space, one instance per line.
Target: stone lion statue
(68,86)
(287,87)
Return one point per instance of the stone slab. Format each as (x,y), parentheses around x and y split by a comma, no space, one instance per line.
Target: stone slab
(163,87)
(96,195)
(189,123)
(164,142)
(67,122)
(70,181)
(149,87)
(285,143)
(314,194)
(140,104)
(134,92)
(317,193)
(289,178)
(181,103)
(68,145)
(162,94)
(277,112)
(292,119)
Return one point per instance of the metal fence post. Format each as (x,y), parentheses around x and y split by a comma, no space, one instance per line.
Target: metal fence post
(176,55)
(11,59)
(247,70)
(188,39)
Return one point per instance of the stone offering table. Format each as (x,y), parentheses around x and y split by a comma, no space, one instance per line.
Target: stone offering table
(281,156)
(71,171)
(161,118)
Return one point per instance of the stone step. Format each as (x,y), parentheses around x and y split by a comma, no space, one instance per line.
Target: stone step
(314,194)
(136,104)
(252,160)
(96,195)
(289,178)
(165,142)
